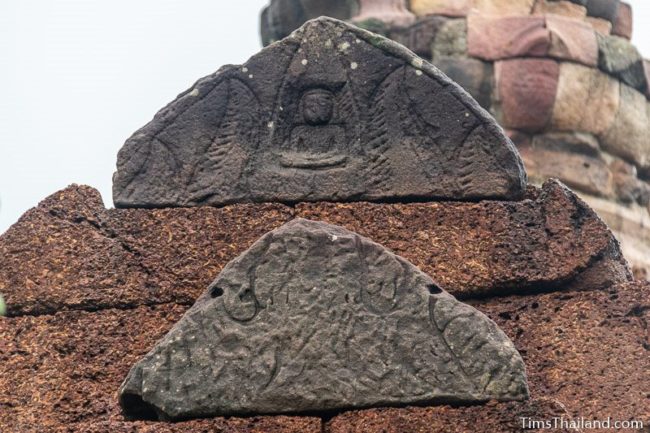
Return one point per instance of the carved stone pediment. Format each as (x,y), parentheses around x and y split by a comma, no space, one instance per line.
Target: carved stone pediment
(332,112)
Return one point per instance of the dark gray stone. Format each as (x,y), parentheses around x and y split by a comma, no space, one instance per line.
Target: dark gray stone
(605,9)
(330,113)
(618,57)
(314,317)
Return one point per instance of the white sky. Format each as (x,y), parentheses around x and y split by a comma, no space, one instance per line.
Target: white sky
(78,77)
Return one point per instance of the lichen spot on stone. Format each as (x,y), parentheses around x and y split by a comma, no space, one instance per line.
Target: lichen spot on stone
(418,72)
(328,43)
(344,46)
(304,62)
(250,76)
(270,125)
(194,92)
(354,65)
(417,63)
(244,69)
(334,238)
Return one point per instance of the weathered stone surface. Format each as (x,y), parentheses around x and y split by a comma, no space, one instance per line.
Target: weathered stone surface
(526,104)
(587,100)
(314,317)
(393,12)
(624,22)
(451,8)
(600,25)
(451,40)
(72,253)
(504,7)
(618,57)
(572,40)
(308,120)
(605,9)
(420,36)
(55,264)
(585,173)
(473,75)
(282,17)
(629,136)
(562,7)
(496,38)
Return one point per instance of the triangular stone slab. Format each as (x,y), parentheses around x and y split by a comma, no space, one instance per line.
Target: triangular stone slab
(314,317)
(332,112)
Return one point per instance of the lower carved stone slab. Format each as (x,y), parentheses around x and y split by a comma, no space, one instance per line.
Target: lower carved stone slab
(314,317)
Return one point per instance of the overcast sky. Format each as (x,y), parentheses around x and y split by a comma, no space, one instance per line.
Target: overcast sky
(78,77)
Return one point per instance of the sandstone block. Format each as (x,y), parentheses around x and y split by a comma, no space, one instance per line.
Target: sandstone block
(451,8)
(601,26)
(314,317)
(504,7)
(563,8)
(473,75)
(451,40)
(587,100)
(572,40)
(585,173)
(629,188)
(496,38)
(316,117)
(579,142)
(624,22)
(629,135)
(526,90)
(619,58)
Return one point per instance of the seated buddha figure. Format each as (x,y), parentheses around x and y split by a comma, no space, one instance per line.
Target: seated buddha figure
(315,142)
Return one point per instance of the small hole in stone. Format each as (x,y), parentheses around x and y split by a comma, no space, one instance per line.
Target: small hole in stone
(216,292)
(434,289)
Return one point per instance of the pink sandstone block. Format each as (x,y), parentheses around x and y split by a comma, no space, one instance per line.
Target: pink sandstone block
(497,38)
(572,40)
(623,25)
(562,7)
(601,26)
(526,91)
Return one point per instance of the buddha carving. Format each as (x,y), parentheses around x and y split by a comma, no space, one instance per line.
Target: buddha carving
(316,141)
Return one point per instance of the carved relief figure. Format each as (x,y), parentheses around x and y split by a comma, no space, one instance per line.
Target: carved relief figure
(316,142)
